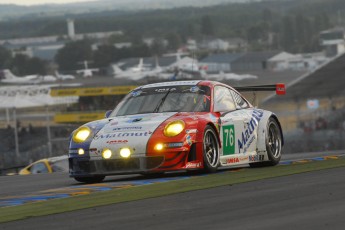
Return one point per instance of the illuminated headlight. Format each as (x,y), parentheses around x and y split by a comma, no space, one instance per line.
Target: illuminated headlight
(174,128)
(159,146)
(81,151)
(125,152)
(106,154)
(81,134)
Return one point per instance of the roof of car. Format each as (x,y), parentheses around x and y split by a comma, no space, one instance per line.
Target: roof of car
(170,83)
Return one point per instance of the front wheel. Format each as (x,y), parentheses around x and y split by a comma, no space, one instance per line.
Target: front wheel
(273,144)
(210,150)
(90,180)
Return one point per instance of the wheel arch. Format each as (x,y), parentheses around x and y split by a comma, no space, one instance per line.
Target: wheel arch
(217,130)
(280,127)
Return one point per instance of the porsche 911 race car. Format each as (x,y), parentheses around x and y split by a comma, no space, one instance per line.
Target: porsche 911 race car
(172,126)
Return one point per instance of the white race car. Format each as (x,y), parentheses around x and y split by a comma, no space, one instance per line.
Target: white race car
(183,125)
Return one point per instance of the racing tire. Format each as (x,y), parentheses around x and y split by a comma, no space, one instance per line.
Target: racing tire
(211,153)
(90,180)
(273,145)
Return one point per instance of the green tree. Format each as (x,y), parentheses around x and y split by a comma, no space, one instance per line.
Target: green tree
(73,54)
(5,57)
(207,27)
(157,47)
(104,55)
(24,65)
(288,34)
(174,41)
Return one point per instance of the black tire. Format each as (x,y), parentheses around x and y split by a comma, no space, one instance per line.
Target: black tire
(90,180)
(273,144)
(211,151)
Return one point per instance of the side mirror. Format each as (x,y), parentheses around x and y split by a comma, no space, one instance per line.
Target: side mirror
(107,114)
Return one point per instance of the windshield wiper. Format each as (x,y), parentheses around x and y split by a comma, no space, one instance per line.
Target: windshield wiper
(161,102)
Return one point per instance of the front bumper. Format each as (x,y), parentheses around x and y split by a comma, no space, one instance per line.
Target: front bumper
(79,166)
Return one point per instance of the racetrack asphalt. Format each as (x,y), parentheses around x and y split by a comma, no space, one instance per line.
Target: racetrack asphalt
(314,200)
(28,184)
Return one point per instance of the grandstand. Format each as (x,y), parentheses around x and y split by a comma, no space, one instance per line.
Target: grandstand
(317,128)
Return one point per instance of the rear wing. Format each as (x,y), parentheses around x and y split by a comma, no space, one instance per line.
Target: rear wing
(279,88)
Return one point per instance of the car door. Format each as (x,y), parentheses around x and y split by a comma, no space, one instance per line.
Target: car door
(232,125)
(247,139)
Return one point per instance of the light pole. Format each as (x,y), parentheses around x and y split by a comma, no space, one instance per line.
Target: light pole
(16,142)
(48,132)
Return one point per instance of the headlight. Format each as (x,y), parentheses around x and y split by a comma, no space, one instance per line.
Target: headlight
(106,153)
(159,147)
(81,134)
(125,152)
(174,128)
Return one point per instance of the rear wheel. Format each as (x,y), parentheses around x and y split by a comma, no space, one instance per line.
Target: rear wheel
(210,150)
(90,180)
(273,145)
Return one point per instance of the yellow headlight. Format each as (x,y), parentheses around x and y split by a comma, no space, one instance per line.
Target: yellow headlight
(125,152)
(106,153)
(81,134)
(174,128)
(81,151)
(159,147)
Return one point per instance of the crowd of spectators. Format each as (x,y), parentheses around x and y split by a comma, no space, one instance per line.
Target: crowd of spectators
(324,133)
(33,145)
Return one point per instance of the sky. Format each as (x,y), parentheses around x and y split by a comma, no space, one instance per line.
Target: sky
(37,2)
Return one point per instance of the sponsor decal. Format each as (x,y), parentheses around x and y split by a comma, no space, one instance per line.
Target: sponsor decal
(219,124)
(213,118)
(247,136)
(136,93)
(228,139)
(245,158)
(123,134)
(237,159)
(173,145)
(127,128)
(95,151)
(233,160)
(256,158)
(162,90)
(194,89)
(193,165)
(138,118)
(189,140)
(117,142)
(190,131)
(165,84)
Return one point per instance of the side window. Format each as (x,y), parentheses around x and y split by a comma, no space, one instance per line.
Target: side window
(241,103)
(223,100)
(39,168)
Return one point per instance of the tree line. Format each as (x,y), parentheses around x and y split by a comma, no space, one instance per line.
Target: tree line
(293,26)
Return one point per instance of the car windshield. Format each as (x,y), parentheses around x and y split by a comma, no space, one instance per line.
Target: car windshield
(165,99)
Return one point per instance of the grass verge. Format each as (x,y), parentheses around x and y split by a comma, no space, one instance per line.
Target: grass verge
(160,189)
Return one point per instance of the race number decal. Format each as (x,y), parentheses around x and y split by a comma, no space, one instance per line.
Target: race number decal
(228,139)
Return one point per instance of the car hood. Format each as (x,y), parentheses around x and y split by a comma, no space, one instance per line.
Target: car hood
(131,131)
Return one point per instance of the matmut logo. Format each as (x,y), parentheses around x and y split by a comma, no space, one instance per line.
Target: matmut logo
(123,134)
(246,134)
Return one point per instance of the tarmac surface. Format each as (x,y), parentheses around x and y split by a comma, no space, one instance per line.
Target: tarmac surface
(313,200)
